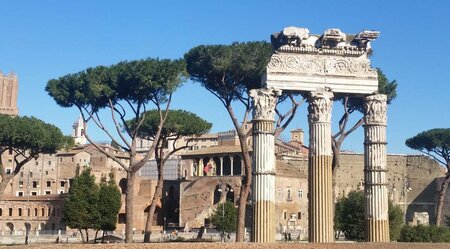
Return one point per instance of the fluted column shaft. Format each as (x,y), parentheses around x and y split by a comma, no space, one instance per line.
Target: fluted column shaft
(375,160)
(263,222)
(320,168)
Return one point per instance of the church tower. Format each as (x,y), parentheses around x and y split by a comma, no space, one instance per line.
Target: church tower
(77,132)
(8,94)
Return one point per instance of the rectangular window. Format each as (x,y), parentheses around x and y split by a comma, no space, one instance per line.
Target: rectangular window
(8,171)
(122,218)
(49,184)
(300,193)
(63,183)
(31,174)
(37,163)
(49,162)
(20,193)
(33,193)
(60,159)
(284,215)
(20,212)
(299,215)
(35,212)
(46,172)
(42,212)
(10,211)
(20,184)
(28,212)
(47,192)
(35,184)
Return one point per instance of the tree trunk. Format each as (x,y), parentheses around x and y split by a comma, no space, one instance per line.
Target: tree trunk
(95,238)
(129,196)
(156,197)
(245,189)
(103,236)
(3,185)
(87,236)
(441,198)
(82,236)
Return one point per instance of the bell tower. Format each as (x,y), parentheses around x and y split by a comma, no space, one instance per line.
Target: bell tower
(8,94)
(79,126)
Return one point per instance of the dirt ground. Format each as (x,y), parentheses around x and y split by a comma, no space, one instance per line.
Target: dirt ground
(241,245)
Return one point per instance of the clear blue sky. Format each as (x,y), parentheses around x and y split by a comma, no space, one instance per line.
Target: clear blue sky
(41,40)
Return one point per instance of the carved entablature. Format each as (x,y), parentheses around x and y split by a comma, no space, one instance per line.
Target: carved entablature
(320,105)
(304,62)
(264,103)
(375,107)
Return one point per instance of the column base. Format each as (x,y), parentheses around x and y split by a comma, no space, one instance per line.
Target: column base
(377,230)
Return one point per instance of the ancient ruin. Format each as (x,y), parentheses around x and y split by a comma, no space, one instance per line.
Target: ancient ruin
(320,66)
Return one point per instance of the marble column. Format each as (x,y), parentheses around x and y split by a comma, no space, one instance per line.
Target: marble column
(375,159)
(320,168)
(263,225)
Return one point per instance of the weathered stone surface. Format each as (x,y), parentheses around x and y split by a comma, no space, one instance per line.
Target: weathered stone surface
(305,62)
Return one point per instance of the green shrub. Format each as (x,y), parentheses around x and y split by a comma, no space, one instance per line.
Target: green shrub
(422,233)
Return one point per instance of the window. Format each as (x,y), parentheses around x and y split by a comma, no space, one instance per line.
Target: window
(47,192)
(33,193)
(37,163)
(20,212)
(284,215)
(60,159)
(49,184)
(46,172)
(35,212)
(49,212)
(122,218)
(49,162)
(28,212)
(300,193)
(20,184)
(289,195)
(299,215)
(1,212)
(8,171)
(19,193)
(42,212)
(31,174)
(35,184)
(10,211)
(63,183)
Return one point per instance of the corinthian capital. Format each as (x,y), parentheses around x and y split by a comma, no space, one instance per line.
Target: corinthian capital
(320,105)
(375,108)
(264,102)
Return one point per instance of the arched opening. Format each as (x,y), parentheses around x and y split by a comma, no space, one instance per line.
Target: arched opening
(217,164)
(226,166)
(10,227)
(1,212)
(217,194)
(171,206)
(123,185)
(156,215)
(207,168)
(27,226)
(230,194)
(237,165)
